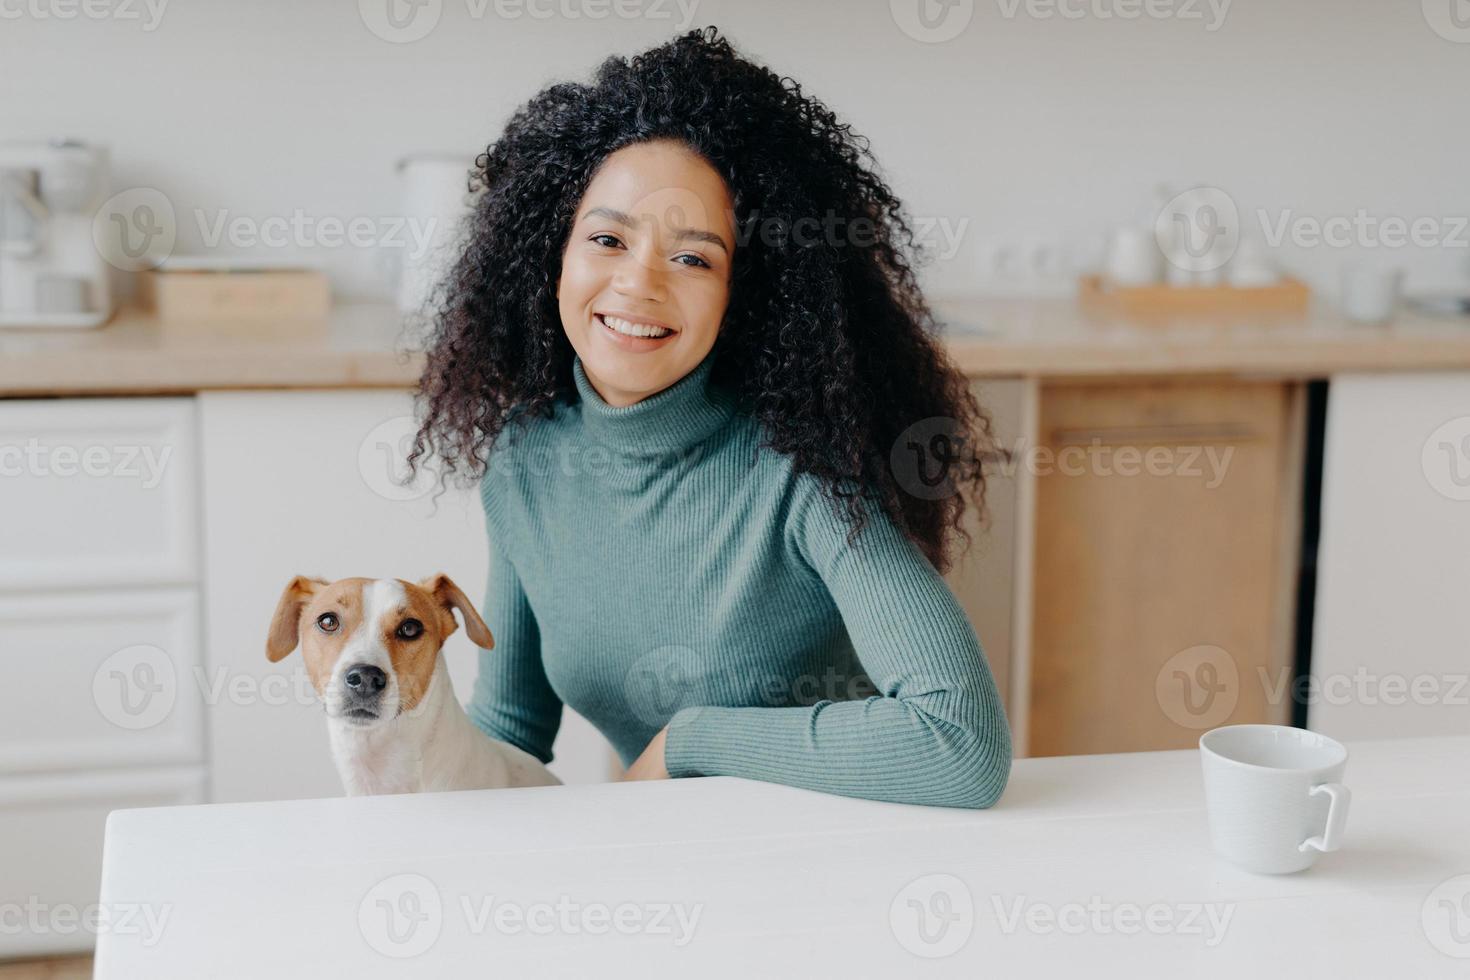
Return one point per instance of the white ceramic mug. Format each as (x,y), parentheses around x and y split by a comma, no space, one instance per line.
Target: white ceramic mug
(1370,295)
(1274,795)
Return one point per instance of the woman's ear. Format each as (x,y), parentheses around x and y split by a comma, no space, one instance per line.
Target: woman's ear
(449,595)
(286,623)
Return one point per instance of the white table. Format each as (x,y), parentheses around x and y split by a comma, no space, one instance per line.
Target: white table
(1098,864)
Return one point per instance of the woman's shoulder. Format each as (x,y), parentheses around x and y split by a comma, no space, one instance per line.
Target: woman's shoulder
(819,512)
(524,434)
(798,495)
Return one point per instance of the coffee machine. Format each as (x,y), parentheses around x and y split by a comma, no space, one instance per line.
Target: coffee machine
(52,274)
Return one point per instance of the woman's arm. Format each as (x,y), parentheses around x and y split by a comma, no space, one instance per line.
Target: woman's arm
(936,734)
(512,700)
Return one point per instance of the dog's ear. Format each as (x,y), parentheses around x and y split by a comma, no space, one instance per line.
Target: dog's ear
(286,623)
(448,595)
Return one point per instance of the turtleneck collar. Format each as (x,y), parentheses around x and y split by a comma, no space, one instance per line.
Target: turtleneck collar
(677,418)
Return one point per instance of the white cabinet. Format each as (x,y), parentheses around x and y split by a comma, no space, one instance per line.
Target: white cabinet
(99,642)
(1390,656)
(310,483)
(98,492)
(111,675)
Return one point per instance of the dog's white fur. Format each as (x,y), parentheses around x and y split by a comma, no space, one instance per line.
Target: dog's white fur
(430,747)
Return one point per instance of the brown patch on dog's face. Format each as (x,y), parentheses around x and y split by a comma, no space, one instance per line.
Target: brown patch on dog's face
(322,618)
(362,620)
(431,603)
(413,657)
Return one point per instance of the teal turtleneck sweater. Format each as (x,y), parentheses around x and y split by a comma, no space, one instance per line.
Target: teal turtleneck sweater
(655,565)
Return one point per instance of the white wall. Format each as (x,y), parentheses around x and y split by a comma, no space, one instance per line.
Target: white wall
(1036,130)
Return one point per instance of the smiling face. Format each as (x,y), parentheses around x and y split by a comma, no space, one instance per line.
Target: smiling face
(645,275)
(370,645)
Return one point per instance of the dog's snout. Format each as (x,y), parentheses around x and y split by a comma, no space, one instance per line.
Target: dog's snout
(365,679)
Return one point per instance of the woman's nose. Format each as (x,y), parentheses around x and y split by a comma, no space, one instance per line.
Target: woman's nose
(639,276)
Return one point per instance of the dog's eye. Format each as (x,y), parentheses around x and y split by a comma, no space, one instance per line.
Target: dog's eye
(410,629)
(327,622)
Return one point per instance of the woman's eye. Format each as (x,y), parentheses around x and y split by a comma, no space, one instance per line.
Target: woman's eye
(410,629)
(611,241)
(327,622)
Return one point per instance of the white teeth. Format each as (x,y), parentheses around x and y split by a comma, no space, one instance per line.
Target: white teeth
(630,329)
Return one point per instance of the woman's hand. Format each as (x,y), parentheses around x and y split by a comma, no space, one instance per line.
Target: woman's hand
(650,765)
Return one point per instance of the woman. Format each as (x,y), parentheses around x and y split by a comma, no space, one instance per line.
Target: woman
(681,351)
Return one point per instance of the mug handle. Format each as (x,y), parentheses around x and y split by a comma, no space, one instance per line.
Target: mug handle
(1337,811)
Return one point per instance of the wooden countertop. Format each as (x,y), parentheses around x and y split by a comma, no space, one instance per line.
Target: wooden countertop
(366,346)
(1059,338)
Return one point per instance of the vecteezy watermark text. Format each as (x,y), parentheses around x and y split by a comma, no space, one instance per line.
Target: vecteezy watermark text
(933,457)
(1200,687)
(1209,920)
(38,918)
(1211,12)
(406,21)
(125,462)
(302,230)
(149,12)
(1363,229)
(403,915)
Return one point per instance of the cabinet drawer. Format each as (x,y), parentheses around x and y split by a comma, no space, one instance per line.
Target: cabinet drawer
(95,679)
(98,492)
(51,830)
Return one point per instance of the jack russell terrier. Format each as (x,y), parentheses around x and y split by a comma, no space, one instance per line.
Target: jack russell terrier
(372,652)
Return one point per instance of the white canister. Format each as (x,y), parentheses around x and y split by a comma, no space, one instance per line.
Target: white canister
(435,204)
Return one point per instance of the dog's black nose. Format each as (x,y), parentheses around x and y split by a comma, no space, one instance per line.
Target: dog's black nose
(366,679)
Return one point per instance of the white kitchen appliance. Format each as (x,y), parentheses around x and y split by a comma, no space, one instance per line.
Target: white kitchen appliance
(51,272)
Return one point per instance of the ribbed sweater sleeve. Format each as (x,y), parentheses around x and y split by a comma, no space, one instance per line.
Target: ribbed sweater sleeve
(512,699)
(935,734)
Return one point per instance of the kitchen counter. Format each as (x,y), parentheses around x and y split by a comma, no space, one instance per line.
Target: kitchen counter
(1060,338)
(357,346)
(1098,859)
(365,346)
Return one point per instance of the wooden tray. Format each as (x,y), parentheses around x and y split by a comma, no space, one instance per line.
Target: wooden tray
(1287,296)
(194,296)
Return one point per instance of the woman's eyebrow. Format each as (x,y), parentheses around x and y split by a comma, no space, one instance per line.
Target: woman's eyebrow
(683,234)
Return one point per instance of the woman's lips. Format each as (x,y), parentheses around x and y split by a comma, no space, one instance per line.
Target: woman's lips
(637,345)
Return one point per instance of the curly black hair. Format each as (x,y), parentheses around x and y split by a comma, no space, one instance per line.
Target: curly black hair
(826,340)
